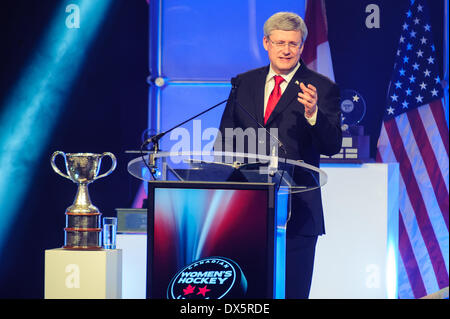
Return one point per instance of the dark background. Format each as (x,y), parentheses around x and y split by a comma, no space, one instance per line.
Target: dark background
(107,109)
(363,59)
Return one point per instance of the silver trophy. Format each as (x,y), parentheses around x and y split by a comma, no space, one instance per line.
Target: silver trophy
(83,220)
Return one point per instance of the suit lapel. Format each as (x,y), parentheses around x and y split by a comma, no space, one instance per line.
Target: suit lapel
(259,95)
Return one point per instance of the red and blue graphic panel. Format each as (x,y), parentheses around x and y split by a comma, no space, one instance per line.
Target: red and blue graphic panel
(189,222)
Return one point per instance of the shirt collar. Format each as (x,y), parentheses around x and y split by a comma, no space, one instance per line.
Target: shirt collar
(286,77)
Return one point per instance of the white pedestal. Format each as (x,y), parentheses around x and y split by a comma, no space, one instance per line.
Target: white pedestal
(357,257)
(78,274)
(134,277)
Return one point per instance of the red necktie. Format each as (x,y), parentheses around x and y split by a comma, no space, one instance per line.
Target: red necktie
(273,98)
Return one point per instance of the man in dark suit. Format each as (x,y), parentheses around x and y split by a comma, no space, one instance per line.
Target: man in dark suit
(303,108)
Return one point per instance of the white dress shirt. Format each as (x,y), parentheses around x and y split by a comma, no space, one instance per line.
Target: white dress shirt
(270,84)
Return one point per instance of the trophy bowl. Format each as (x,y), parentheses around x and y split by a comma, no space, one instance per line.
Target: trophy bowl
(83,219)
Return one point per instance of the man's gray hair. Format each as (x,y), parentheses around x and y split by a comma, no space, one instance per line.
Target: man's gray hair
(286,21)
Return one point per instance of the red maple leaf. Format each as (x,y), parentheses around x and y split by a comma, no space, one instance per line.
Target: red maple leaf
(203,291)
(188,290)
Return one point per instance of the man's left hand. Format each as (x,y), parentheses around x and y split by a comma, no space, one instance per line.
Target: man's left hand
(308,97)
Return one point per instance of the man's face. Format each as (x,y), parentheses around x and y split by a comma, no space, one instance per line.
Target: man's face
(284,49)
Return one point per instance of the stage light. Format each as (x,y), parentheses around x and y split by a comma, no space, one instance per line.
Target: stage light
(32,109)
(280,245)
(391,271)
(392,258)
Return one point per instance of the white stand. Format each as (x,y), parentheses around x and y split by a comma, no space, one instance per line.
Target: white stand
(78,274)
(357,258)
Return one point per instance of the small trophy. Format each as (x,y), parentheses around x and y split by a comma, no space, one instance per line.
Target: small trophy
(355,145)
(353,107)
(83,226)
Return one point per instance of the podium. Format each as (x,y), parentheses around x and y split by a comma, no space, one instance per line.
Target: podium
(217,222)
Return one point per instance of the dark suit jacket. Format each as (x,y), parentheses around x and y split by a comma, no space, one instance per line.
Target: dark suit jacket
(301,140)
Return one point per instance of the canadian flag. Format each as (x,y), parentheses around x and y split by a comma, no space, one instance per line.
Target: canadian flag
(316,53)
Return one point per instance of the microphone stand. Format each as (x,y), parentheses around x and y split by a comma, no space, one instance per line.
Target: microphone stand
(151,165)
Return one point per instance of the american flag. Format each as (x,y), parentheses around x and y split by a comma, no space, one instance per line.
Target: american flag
(415,134)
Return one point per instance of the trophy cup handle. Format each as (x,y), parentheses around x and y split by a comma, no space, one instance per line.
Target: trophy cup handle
(55,168)
(113,166)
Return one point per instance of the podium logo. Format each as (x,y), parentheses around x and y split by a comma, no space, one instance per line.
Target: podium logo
(73,277)
(208,278)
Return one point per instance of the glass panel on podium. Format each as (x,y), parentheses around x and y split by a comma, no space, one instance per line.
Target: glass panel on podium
(290,176)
